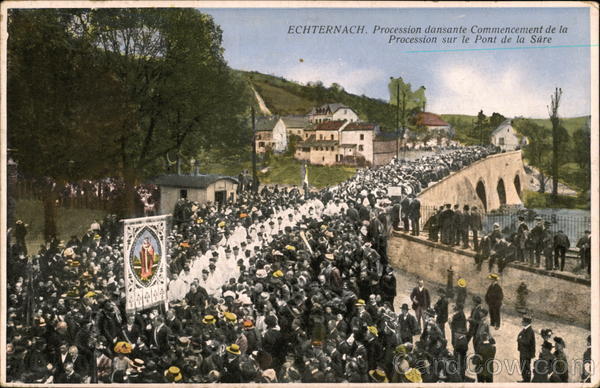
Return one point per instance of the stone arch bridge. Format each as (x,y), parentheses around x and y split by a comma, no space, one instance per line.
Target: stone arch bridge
(489,183)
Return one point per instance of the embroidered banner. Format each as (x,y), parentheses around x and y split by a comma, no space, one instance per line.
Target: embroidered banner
(145,253)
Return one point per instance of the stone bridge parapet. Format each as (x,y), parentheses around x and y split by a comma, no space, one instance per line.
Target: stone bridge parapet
(489,183)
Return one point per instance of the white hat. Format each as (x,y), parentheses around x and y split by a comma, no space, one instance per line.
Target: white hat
(261,273)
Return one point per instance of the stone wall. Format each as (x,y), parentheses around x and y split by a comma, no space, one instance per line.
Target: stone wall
(559,295)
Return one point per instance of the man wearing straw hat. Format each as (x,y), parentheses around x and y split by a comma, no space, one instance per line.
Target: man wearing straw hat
(493,298)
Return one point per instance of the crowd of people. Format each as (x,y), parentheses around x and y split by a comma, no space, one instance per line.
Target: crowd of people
(278,286)
(454,226)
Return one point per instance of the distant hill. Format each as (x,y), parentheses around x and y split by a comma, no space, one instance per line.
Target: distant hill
(284,97)
(570,123)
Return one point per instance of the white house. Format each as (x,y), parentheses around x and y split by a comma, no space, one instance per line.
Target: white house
(356,141)
(332,112)
(271,134)
(506,138)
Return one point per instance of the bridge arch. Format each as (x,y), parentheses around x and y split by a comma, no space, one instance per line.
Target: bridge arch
(501,192)
(480,190)
(517,183)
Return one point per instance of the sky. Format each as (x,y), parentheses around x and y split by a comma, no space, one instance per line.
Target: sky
(514,82)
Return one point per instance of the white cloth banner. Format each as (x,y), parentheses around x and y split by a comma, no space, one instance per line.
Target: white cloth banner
(145,253)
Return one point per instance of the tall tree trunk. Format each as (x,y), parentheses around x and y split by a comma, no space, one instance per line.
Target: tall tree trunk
(542,180)
(128,208)
(555,103)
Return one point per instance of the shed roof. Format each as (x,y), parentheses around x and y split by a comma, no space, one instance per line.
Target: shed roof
(295,121)
(191,181)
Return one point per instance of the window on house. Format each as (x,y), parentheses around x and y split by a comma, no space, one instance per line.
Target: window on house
(345,111)
(360,147)
(362,137)
(323,158)
(261,144)
(183,194)
(331,137)
(501,141)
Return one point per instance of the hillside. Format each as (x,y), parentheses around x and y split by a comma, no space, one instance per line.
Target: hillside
(284,97)
(570,123)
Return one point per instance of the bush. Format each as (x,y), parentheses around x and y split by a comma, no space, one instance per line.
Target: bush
(535,200)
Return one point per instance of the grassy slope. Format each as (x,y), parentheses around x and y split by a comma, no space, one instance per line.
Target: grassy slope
(70,221)
(285,97)
(283,169)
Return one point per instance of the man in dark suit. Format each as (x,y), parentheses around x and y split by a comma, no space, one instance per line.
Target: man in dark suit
(585,252)
(441,311)
(79,363)
(421,301)
(405,208)
(526,348)
(130,332)
(465,219)
(445,222)
(493,298)
(408,324)
(522,233)
(457,220)
(537,238)
(475,225)
(484,359)
(69,376)
(474,318)
(561,245)
(460,341)
(395,215)
(414,210)
(159,339)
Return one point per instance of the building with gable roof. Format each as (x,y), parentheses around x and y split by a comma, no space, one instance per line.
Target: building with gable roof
(202,188)
(506,137)
(271,134)
(433,123)
(332,112)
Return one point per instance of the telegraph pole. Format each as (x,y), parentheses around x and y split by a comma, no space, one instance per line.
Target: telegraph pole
(254,178)
(397,120)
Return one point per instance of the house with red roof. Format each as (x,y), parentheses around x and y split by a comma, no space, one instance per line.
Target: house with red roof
(433,123)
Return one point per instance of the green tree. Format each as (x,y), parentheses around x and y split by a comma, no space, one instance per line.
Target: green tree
(408,101)
(63,107)
(557,135)
(538,149)
(495,120)
(480,128)
(181,93)
(116,91)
